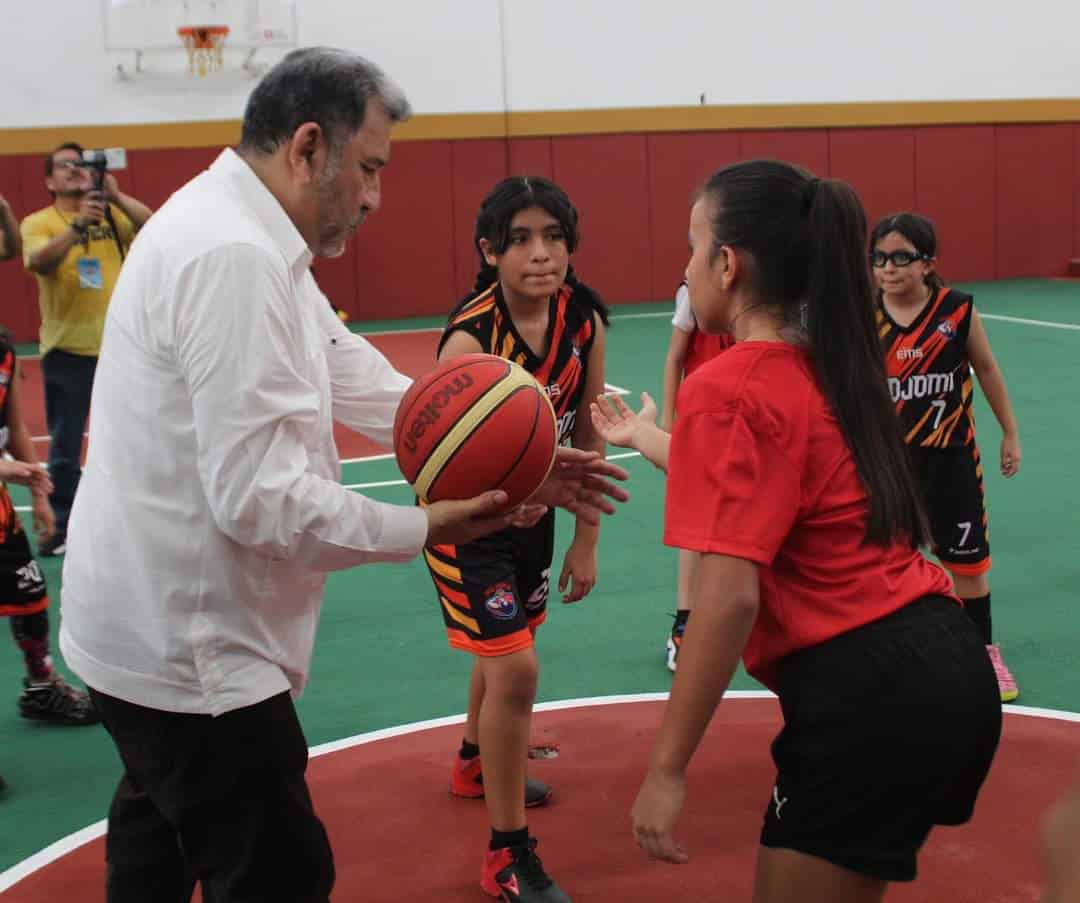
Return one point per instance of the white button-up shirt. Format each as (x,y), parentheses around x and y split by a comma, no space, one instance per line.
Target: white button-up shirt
(211,508)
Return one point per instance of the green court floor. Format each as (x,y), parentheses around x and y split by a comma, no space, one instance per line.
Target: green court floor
(382,659)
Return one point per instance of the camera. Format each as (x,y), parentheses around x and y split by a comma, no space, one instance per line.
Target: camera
(97,162)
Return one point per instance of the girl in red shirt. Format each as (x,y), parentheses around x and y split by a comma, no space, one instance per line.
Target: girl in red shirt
(786,470)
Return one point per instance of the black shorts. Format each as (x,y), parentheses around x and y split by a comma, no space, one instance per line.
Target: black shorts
(952,488)
(888,730)
(22,585)
(493,592)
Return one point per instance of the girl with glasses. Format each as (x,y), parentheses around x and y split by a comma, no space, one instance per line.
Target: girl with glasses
(933,340)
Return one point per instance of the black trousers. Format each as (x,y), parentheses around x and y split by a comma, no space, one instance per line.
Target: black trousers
(222,801)
(69,379)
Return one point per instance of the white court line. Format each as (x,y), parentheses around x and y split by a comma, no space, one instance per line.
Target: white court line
(46,438)
(72,842)
(421,330)
(381,483)
(1047,323)
(615,390)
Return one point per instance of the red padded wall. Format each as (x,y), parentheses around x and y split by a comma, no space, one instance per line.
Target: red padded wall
(678,164)
(337,279)
(879,164)
(808,148)
(1005,199)
(405,253)
(18,295)
(1076,192)
(954,186)
(531,157)
(478,167)
(606,177)
(1034,199)
(156,174)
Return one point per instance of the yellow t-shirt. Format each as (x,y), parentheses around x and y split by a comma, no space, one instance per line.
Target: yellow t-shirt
(75,296)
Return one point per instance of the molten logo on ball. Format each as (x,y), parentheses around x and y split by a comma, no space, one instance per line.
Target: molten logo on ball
(430,412)
(475,423)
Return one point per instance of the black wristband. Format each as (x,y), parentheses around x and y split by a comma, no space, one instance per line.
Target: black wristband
(79,229)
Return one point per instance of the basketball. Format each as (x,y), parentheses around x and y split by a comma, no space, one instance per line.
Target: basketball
(475,423)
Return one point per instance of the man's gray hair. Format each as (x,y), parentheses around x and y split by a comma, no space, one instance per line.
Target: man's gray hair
(325,85)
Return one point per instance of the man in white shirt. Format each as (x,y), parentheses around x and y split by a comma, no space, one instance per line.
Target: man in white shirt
(211,507)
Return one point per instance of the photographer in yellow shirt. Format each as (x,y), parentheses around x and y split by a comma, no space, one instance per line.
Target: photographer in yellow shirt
(75,248)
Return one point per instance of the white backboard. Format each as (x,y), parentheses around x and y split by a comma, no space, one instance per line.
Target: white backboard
(152,24)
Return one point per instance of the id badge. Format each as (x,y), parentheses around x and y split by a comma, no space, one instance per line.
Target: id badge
(90,273)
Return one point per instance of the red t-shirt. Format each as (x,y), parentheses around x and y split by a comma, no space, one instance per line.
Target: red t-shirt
(703,348)
(758,469)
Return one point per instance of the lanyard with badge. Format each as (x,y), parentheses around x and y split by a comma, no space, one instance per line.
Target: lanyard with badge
(89,268)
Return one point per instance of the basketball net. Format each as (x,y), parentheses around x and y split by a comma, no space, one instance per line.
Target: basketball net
(205,46)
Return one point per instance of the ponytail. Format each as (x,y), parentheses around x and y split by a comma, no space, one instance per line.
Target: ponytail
(586,298)
(807,241)
(486,276)
(847,353)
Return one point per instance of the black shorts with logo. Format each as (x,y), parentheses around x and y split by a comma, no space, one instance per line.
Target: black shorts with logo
(889,730)
(22,585)
(493,592)
(952,489)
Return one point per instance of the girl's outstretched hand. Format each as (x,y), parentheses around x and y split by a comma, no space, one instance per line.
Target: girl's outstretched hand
(617,424)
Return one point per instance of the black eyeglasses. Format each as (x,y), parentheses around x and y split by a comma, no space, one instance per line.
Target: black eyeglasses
(878,259)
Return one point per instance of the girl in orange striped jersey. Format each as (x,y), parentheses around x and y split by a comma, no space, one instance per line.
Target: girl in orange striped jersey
(933,338)
(528,307)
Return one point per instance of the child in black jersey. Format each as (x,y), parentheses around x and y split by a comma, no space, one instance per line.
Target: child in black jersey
(528,307)
(933,339)
(45,696)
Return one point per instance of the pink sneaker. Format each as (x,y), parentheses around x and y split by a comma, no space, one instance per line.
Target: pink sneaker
(1006,682)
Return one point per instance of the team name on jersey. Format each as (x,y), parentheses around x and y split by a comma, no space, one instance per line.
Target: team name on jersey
(920,385)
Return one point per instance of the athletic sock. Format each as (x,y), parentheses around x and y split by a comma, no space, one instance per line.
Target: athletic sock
(31,633)
(978,610)
(500,839)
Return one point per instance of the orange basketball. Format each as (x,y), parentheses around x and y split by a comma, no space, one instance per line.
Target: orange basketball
(475,423)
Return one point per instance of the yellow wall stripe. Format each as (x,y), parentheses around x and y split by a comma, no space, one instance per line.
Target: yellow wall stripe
(496,395)
(540,123)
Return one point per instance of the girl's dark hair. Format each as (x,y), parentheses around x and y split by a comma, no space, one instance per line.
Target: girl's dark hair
(806,242)
(497,212)
(916,229)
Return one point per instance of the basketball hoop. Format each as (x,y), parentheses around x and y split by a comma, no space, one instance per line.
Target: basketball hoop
(205,45)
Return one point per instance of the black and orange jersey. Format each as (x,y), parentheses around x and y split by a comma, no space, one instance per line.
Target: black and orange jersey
(7,376)
(929,371)
(570,334)
(9,520)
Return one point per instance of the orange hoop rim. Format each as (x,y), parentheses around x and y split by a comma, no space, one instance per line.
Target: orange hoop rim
(203,37)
